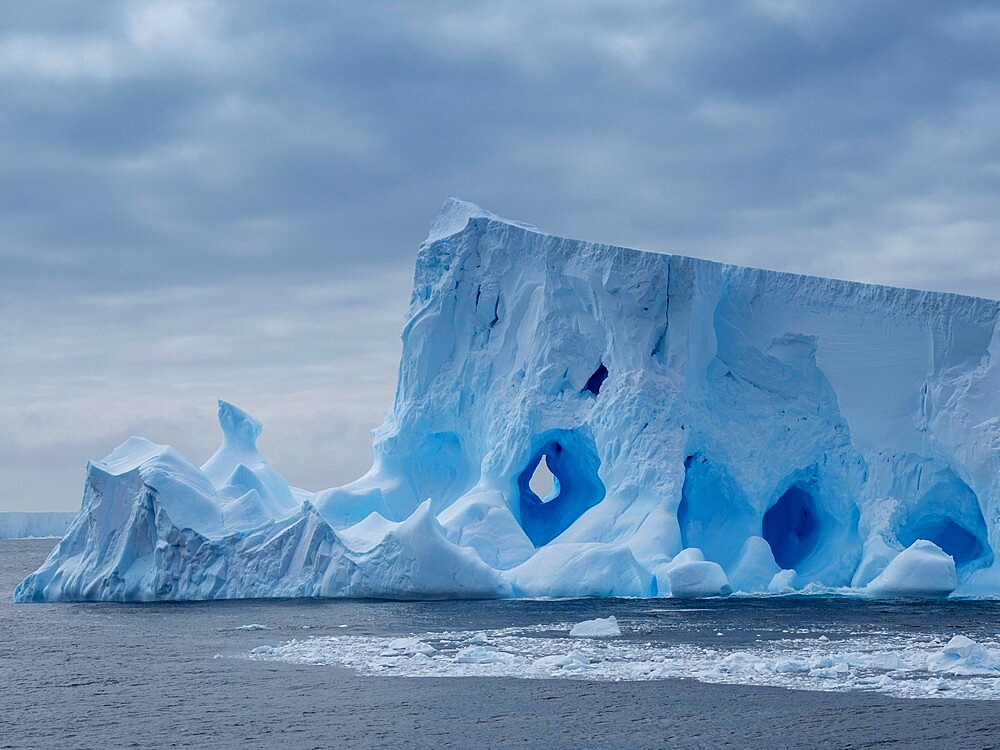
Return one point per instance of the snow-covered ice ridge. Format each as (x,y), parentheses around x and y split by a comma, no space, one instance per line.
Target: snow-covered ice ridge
(710,428)
(30,525)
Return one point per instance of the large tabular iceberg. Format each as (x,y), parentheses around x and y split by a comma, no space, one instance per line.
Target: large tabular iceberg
(18,525)
(708,427)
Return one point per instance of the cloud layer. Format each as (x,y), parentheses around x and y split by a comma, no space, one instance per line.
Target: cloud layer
(203,200)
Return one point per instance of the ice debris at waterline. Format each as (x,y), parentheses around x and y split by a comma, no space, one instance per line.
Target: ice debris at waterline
(601,627)
(708,428)
(907,666)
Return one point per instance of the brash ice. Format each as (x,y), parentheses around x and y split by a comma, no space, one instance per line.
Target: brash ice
(708,428)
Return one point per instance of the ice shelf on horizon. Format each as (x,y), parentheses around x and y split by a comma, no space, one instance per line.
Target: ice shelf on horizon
(709,428)
(33,525)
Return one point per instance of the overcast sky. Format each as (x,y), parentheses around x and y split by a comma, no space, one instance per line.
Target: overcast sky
(203,200)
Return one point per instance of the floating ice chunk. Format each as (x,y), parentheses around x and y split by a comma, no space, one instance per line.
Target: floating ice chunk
(964,656)
(409,646)
(783,582)
(790,666)
(568,662)
(883,660)
(698,578)
(830,672)
(487,655)
(922,569)
(478,639)
(600,627)
(253,626)
(936,685)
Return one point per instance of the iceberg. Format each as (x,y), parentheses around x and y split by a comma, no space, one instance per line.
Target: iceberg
(706,428)
(38,525)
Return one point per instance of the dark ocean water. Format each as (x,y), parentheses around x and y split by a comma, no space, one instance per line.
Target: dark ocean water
(147,676)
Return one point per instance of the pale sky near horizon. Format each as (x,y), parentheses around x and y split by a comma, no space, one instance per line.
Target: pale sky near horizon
(204,200)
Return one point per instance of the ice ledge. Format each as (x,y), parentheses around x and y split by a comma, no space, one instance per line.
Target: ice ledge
(455,215)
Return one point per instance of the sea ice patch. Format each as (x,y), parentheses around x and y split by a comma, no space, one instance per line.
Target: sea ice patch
(907,666)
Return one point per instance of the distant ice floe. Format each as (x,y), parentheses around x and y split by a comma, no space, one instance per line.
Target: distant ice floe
(902,666)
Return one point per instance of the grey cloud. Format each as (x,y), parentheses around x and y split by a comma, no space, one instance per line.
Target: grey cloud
(178,176)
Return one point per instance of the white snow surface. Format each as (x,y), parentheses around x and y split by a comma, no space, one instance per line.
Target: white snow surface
(908,666)
(789,433)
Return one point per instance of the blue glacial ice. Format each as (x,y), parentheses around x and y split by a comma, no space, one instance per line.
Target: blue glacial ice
(709,428)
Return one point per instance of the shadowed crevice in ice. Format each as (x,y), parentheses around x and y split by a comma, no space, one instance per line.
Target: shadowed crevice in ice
(792,527)
(713,512)
(595,381)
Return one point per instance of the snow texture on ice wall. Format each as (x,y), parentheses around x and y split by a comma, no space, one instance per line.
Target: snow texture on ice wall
(783,431)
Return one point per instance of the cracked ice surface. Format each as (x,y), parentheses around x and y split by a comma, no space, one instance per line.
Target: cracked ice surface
(708,429)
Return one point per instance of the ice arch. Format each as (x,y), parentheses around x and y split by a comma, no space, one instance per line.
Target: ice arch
(576,487)
(949,515)
(950,536)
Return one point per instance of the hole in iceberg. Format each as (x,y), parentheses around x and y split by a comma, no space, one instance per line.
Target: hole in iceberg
(950,536)
(949,515)
(713,514)
(572,461)
(543,482)
(791,526)
(596,380)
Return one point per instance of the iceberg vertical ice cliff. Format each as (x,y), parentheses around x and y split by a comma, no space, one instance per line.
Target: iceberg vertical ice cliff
(708,428)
